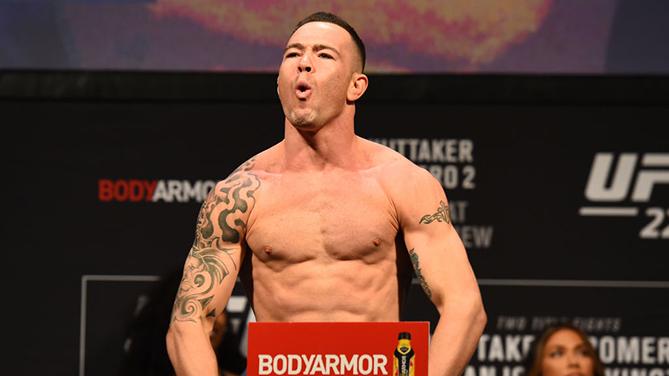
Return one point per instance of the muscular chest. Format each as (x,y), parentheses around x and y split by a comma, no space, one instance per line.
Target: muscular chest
(297,218)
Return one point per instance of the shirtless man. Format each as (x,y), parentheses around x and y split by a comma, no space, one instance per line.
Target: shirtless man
(318,225)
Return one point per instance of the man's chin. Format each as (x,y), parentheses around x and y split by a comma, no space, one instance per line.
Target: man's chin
(303,123)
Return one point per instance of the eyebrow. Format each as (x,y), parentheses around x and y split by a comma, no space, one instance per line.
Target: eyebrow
(316,47)
(560,346)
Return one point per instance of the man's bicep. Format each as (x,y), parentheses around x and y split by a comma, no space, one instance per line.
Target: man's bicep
(212,265)
(438,256)
(441,265)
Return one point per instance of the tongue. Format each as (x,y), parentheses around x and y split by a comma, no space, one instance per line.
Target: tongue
(303,94)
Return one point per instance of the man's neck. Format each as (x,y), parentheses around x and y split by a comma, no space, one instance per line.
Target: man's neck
(335,145)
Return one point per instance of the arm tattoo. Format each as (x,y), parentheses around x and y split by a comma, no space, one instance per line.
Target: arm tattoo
(209,260)
(414,260)
(443,214)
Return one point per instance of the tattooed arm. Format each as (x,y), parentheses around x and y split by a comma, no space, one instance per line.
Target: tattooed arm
(210,272)
(442,267)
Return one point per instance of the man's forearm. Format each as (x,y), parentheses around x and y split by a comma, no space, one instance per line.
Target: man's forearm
(455,338)
(190,350)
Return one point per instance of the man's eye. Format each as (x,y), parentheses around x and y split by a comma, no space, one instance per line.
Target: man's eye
(291,54)
(325,56)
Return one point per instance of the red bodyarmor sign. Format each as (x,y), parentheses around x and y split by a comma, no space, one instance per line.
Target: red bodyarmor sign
(387,348)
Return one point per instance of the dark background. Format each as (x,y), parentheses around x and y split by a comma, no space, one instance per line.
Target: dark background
(534,140)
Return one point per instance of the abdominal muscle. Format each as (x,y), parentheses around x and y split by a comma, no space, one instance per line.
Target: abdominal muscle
(322,247)
(323,289)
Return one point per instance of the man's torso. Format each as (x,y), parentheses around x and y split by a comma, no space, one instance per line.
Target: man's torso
(323,246)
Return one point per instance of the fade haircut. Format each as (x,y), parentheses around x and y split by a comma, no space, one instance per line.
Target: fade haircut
(331,18)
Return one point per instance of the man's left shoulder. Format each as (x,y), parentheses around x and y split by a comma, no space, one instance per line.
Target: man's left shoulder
(398,175)
(388,161)
(403,174)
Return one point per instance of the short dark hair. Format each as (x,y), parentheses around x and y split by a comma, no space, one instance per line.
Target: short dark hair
(331,18)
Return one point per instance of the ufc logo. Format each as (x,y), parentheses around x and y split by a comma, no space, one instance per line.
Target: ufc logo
(622,174)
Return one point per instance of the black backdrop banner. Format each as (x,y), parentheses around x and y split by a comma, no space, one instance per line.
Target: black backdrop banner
(563,208)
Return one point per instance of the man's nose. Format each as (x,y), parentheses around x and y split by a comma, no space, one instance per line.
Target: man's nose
(305,64)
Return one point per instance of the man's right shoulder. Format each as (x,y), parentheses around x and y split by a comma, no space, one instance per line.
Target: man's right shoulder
(256,166)
(246,179)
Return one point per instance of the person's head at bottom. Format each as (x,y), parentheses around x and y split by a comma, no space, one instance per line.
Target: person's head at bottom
(564,350)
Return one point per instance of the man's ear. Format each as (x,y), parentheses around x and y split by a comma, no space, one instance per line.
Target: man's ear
(277,86)
(357,87)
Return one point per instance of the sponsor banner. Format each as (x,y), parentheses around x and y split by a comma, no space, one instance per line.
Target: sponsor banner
(530,187)
(625,321)
(622,185)
(537,193)
(399,349)
(136,190)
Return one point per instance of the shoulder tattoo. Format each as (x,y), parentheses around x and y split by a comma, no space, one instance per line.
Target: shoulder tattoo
(210,259)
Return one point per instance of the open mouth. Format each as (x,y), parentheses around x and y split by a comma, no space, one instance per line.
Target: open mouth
(303,90)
